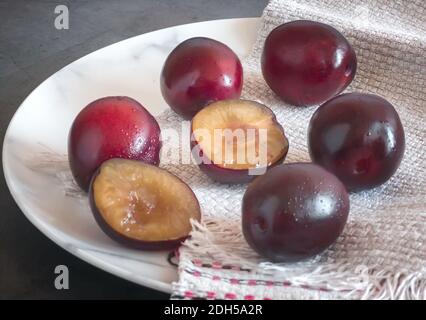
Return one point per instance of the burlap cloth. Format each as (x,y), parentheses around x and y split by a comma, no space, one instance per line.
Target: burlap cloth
(382,251)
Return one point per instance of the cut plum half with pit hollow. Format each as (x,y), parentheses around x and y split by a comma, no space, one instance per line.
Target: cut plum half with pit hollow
(234,141)
(142,206)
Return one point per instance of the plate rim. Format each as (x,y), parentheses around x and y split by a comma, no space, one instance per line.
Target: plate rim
(75,251)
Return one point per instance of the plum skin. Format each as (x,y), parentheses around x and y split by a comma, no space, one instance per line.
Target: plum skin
(306,63)
(294,212)
(359,137)
(200,71)
(111,127)
(123,239)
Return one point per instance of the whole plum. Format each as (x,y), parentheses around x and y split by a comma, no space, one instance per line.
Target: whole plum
(294,211)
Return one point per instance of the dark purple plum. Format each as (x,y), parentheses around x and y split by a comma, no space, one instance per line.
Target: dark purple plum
(294,211)
(359,137)
(142,206)
(200,71)
(306,62)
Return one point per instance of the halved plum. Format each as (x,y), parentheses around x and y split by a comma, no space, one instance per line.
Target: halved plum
(235,140)
(142,206)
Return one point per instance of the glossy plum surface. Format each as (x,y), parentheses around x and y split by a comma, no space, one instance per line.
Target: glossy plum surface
(199,71)
(142,206)
(294,212)
(111,127)
(306,63)
(358,137)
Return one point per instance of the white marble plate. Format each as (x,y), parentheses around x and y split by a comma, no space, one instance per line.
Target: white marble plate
(39,129)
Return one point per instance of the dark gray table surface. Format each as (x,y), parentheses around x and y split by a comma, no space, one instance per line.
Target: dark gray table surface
(31,49)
